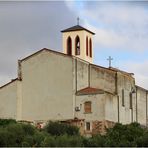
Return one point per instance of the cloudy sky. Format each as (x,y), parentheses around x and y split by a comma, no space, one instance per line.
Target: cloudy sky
(121,32)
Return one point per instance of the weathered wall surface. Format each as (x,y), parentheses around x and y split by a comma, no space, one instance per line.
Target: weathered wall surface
(111,107)
(125,83)
(103,112)
(8,98)
(82,74)
(97,106)
(47,89)
(141,105)
(102,78)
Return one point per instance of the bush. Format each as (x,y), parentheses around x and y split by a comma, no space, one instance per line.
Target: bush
(3,138)
(68,141)
(57,134)
(49,142)
(38,137)
(5,122)
(57,129)
(124,135)
(28,129)
(28,141)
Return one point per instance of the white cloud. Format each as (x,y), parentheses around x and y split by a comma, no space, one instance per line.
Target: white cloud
(118,26)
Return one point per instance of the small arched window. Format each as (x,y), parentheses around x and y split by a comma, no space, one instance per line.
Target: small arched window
(69,46)
(87,46)
(90,48)
(77,45)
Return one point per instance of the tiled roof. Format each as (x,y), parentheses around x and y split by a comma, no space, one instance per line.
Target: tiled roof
(90,90)
(77,28)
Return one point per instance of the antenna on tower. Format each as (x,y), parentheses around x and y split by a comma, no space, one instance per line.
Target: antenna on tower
(78,19)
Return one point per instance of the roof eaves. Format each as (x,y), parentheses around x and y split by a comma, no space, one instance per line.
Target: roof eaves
(89,91)
(141,88)
(13,80)
(77,28)
(44,49)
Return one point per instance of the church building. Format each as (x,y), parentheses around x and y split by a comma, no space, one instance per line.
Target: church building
(68,87)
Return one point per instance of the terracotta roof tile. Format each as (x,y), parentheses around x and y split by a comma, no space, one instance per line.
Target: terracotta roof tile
(90,90)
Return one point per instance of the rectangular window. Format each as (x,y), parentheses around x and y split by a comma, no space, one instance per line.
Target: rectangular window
(123,97)
(88,126)
(131,101)
(87,107)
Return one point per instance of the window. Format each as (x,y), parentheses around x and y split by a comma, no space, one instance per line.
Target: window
(87,107)
(69,46)
(90,48)
(123,97)
(87,126)
(131,101)
(87,46)
(77,45)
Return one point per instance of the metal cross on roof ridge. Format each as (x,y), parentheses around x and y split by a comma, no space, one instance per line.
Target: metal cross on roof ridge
(110,60)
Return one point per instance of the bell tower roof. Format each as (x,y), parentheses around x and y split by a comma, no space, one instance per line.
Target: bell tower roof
(77,28)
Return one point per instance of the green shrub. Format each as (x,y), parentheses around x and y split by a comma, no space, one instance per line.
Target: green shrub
(5,122)
(75,141)
(28,141)
(49,142)
(57,129)
(28,129)
(3,138)
(56,134)
(38,137)
(124,135)
(17,134)
(98,140)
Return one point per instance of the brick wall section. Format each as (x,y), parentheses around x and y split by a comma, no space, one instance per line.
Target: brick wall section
(101,126)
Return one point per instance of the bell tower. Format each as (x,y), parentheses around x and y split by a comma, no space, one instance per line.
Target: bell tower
(77,41)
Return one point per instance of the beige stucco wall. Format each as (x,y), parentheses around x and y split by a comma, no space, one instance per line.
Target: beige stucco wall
(141,106)
(82,35)
(111,107)
(97,106)
(82,74)
(102,78)
(19,101)
(47,89)
(8,99)
(125,82)
(104,107)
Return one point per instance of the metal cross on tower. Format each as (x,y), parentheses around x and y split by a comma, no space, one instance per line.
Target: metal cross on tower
(110,61)
(78,19)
